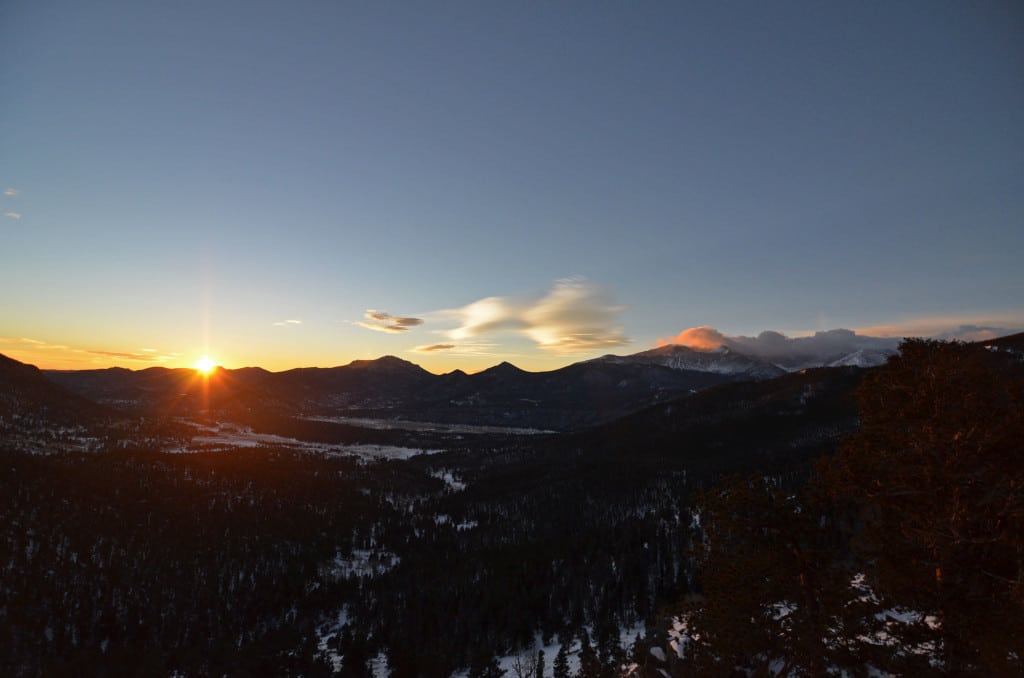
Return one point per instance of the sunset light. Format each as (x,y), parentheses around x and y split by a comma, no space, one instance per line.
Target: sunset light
(206,364)
(607,339)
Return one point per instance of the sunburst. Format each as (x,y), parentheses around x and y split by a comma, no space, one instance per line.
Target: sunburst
(205,365)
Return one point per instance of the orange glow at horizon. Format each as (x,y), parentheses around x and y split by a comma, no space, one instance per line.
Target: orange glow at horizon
(205,365)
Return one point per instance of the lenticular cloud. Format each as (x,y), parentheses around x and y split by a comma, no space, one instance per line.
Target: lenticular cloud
(574,316)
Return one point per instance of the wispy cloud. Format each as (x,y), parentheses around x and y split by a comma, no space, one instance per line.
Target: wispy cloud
(431,348)
(34,343)
(381,321)
(11,192)
(12,215)
(467,348)
(144,357)
(574,316)
(38,348)
(286,323)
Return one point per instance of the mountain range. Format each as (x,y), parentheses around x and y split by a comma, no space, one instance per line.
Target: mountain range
(574,397)
(274,519)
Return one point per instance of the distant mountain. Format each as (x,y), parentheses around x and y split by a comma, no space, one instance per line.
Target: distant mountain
(1013,343)
(722,360)
(161,392)
(752,424)
(738,363)
(576,396)
(25,393)
(581,395)
(864,357)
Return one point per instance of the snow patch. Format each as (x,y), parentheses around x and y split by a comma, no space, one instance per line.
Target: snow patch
(360,563)
(451,480)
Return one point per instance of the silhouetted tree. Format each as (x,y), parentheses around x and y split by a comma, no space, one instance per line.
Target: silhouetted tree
(772,589)
(937,472)
(560,667)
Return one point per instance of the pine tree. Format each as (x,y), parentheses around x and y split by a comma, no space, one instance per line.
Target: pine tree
(771,587)
(560,666)
(937,472)
(485,666)
(590,664)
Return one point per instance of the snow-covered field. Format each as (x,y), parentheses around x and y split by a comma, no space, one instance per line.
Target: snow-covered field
(229,436)
(426,426)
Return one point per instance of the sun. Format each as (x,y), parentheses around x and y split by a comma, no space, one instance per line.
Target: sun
(205,365)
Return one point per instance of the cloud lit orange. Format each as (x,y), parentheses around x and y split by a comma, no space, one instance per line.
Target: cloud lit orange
(701,338)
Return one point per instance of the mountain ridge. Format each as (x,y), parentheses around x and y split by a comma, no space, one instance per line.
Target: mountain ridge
(575,397)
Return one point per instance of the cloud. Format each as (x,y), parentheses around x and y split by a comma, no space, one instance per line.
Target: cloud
(10,192)
(485,316)
(467,348)
(781,349)
(34,343)
(434,347)
(36,350)
(977,333)
(118,354)
(385,322)
(286,323)
(12,215)
(964,328)
(147,356)
(574,316)
(702,338)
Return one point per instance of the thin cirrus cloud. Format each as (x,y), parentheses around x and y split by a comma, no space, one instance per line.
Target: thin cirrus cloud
(381,321)
(12,215)
(34,343)
(38,348)
(287,323)
(432,348)
(574,316)
(146,356)
(468,348)
(10,192)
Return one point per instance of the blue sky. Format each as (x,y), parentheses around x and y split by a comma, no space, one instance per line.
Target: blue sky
(182,178)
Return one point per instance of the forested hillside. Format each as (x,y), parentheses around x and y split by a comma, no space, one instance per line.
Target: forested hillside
(901,552)
(905,552)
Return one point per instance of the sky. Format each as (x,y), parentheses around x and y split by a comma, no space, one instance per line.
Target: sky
(462,183)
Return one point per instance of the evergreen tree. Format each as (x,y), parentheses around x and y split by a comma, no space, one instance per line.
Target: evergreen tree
(937,472)
(560,667)
(590,664)
(771,584)
(485,666)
